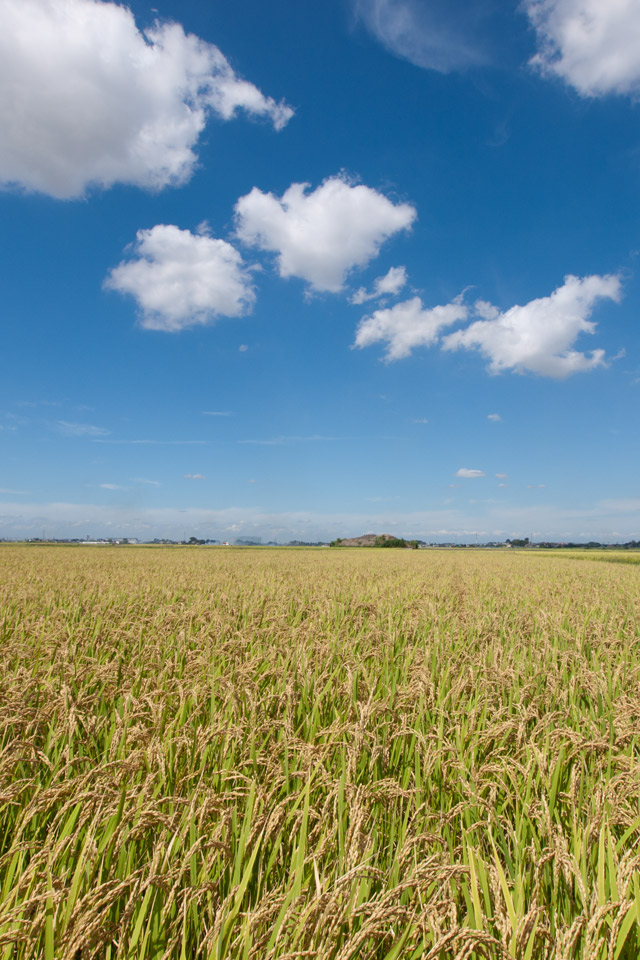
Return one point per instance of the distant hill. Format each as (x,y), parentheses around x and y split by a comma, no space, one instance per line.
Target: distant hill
(373,540)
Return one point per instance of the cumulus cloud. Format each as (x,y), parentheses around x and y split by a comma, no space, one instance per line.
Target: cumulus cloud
(593,45)
(80,429)
(429,34)
(320,236)
(87,98)
(467,474)
(388,286)
(407,325)
(538,337)
(495,417)
(180,279)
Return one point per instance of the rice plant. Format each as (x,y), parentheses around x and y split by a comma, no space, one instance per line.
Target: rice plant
(210,754)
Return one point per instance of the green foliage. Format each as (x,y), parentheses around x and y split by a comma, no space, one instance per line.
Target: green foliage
(391,542)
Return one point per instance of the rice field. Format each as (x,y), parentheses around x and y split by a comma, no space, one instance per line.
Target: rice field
(381,755)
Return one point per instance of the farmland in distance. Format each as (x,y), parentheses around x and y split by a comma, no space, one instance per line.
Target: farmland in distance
(338,754)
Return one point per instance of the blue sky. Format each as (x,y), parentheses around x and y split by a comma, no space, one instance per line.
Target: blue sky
(298,270)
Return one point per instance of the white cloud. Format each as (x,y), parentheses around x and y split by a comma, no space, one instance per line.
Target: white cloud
(153,483)
(407,325)
(243,348)
(194,476)
(80,429)
(392,282)
(86,98)
(322,235)
(110,486)
(388,286)
(495,417)
(421,420)
(180,279)
(469,474)
(538,337)
(502,476)
(216,413)
(15,493)
(594,45)
(436,36)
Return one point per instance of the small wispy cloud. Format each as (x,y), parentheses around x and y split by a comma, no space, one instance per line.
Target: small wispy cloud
(153,483)
(194,476)
(389,285)
(502,476)
(243,348)
(80,429)
(280,441)
(469,474)
(179,443)
(111,486)
(15,493)
(421,420)
(442,37)
(495,417)
(536,486)
(216,413)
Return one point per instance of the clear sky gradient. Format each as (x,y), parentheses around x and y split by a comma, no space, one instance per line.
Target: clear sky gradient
(297,270)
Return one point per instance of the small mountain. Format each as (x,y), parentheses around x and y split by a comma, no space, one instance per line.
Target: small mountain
(366,540)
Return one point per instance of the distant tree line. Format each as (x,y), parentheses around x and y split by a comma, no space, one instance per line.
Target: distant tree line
(396,542)
(591,545)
